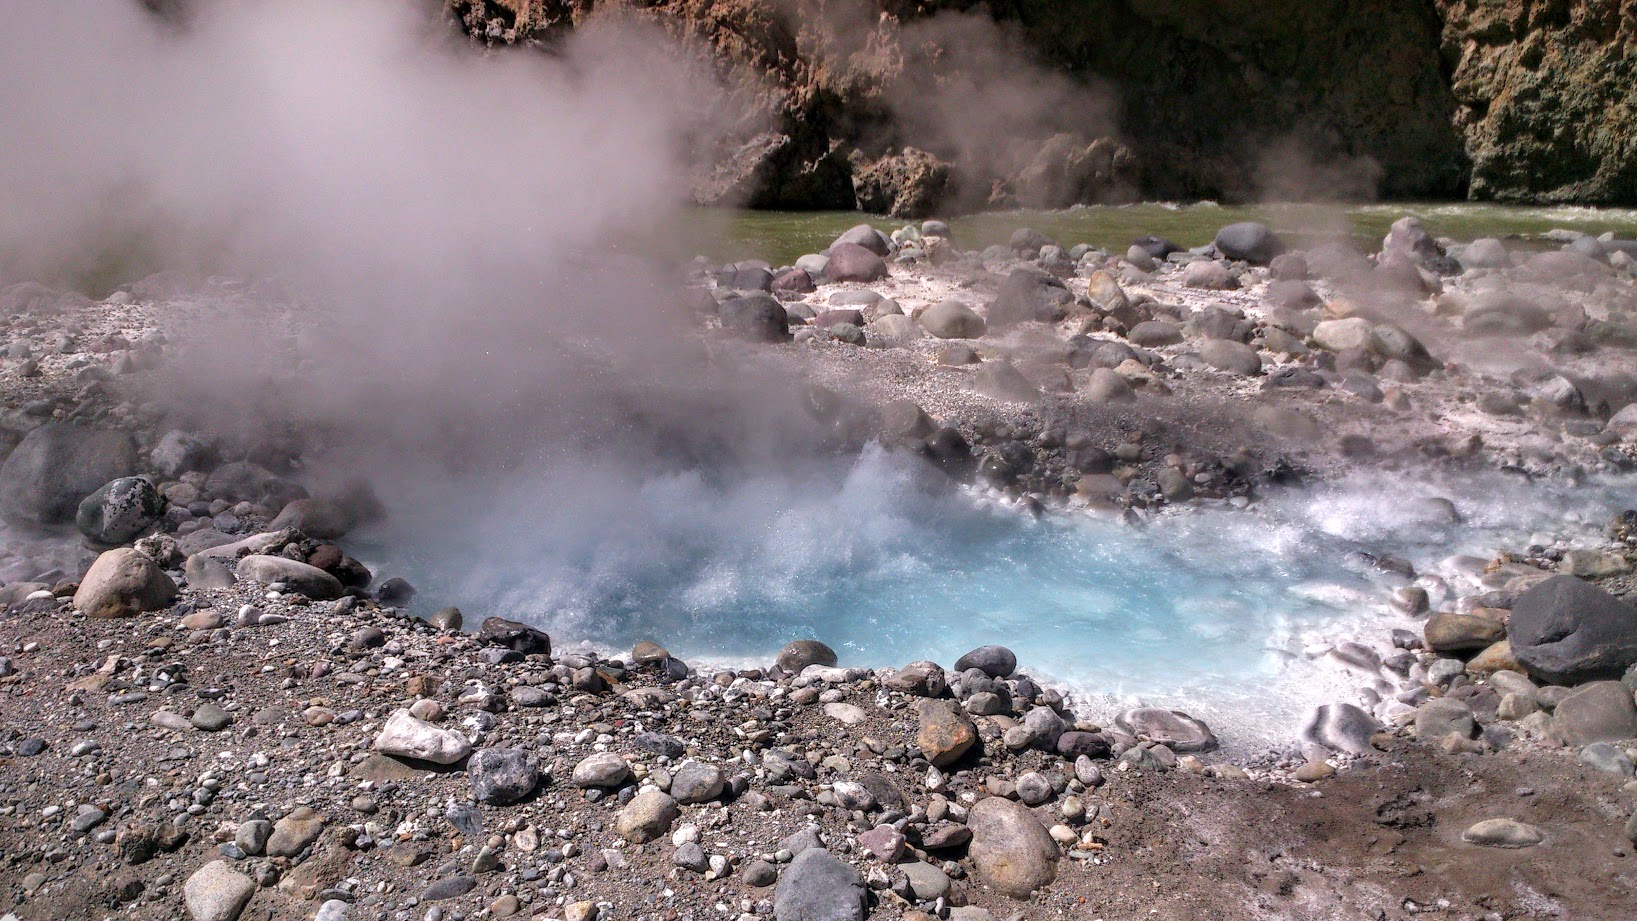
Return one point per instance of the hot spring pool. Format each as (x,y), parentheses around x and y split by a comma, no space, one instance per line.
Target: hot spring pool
(1223,612)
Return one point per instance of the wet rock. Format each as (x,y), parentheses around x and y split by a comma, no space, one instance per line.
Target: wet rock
(1011,851)
(123,583)
(1565,630)
(1508,833)
(798,654)
(1447,633)
(945,733)
(1172,728)
(1341,727)
(502,776)
(178,453)
(1602,711)
(294,575)
(518,637)
(818,886)
(217,892)
(994,661)
(1248,241)
(404,736)
(56,466)
(649,815)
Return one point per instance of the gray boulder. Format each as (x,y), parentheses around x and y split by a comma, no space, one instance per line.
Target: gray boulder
(296,576)
(1503,314)
(1231,357)
(1565,630)
(994,661)
(1602,711)
(56,466)
(1029,295)
(1341,727)
(1444,716)
(866,236)
(818,886)
(756,317)
(501,776)
(952,320)
(120,511)
(798,654)
(1248,241)
(851,262)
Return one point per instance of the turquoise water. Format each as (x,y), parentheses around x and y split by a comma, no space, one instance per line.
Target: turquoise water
(1221,611)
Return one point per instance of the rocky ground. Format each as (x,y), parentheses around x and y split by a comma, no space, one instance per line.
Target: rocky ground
(214,711)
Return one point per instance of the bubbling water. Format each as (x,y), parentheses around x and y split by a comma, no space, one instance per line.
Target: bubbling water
(1220,611)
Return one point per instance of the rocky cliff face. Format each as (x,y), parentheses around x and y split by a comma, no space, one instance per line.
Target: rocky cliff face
(909,106)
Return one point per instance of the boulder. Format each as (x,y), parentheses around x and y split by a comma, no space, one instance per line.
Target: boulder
(798,654)
(518,637)
(1499,313)
(1248,241)
(123,583)
(56,466)
(1011,851)
(502,776)
(1342,335)
(946,733)
(865,236)
(217,892)
(1342,727)
(1029,295)
(1001,380)
(1602,711)
(1446,632)
(119,511)
(1231,357)
(1155,333)
(296,576)
(755,317)
(818,886)
(649,815)
(851,262)
(994,661)
(952,320)
(404,736)
(319,518)
(1564,630)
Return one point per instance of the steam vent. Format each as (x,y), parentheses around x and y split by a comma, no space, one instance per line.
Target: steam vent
(818,460)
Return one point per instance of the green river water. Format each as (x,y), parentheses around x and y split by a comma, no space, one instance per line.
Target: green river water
(782,236)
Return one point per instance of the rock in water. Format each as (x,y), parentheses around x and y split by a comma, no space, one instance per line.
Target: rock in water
(120,510)
(1248,241)
(57,465)
(817,886)
(296,576)
(1602,711)
(217,892)
(1502,833)
(501,776)
(1565,630)
(404,736)
(946,732)
(1011,851)
(799,654)
(1172,728)
(1342,727)
(994,661)
(123,583)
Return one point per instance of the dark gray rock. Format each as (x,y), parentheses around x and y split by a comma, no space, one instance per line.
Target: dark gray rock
(851,262)
(501,776)
(755,317)
(1248,241)
(818,886)
(1565,630)
(518,637)
(994,661)
(798,654)
(56,466)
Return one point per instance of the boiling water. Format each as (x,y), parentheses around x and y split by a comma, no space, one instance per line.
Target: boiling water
(1224,612)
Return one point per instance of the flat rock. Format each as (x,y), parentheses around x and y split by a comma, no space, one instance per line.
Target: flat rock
(1172,728)
(1508,833)
(1448,632)
(296,576)
(404,736)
